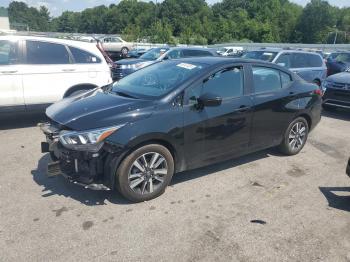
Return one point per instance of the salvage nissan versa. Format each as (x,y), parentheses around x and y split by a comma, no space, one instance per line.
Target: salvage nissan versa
(174,116)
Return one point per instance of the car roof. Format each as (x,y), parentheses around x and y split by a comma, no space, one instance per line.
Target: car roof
(280,50)
(217,60)
(194,48)
(75,43)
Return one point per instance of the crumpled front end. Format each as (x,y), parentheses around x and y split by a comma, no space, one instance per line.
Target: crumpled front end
(90,169)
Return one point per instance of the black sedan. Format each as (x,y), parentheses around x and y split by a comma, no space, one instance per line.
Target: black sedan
(337,91)
(174,116)
(125,67)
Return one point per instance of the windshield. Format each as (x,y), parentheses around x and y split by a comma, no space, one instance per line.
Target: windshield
(154,53)
(343,57)
(222,49)
(156,80)
(260,55)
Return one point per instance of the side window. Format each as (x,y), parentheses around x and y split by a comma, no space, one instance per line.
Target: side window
(284,60)
(174,54)
(188,53)
(115,40)
(314,60)
(266,79)
(83,57)
(226,83)
(46,53)
(286,80)
(299,60)
(193,53)
(8,53)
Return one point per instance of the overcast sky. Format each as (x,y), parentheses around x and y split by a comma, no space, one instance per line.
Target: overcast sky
(56,7)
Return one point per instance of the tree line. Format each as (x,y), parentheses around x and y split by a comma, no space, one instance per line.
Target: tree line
(196,22)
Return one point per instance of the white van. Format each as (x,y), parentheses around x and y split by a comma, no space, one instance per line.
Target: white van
(38,71)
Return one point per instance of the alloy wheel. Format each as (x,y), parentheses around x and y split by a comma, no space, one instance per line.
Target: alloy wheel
(297,136)
(147,173)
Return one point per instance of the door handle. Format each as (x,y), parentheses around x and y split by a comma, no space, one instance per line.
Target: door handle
(9,72)
(68,70)
(243,109)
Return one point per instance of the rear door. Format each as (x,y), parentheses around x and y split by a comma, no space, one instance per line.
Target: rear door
(310,66)
(11,89)
(215,133)
(271,94)
(48,72)
(90,68)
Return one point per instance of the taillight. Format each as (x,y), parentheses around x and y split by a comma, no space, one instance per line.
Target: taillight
(318,92)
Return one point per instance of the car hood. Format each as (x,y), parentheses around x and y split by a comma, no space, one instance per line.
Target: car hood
(132,61)
(97,109)
(343,77)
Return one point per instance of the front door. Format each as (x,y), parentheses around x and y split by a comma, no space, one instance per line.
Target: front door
(11,90)
(217,133)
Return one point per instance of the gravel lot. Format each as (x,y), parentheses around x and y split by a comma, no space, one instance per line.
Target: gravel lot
(205,215)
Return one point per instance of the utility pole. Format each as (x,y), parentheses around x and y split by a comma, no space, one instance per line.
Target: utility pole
(336,35)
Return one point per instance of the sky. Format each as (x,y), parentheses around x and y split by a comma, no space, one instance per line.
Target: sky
(56,7)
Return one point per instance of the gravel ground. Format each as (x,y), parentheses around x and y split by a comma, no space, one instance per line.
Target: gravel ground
(301,205)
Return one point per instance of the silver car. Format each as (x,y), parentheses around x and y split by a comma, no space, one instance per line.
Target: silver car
(308,65)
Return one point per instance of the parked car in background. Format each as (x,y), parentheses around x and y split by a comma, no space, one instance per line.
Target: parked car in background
(127,66)
(337,91)
(174,116)
(229,50)
(338,62)
(308,65)
(115,45)
(137,52)
(38,71)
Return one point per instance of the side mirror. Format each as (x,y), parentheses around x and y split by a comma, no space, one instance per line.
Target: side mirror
(209,100)
(166,57)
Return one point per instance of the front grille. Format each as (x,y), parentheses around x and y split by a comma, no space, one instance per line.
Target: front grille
(118,73)
(341,86)
(338,103)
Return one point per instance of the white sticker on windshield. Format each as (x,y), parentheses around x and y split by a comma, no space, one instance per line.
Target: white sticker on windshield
(94,59)
(187,66)
(268,54)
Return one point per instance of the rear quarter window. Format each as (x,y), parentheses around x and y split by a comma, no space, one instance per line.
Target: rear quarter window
(45,53)
(315,61)
(84,57)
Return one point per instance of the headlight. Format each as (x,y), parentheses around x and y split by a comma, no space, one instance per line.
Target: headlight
(326,84)
(134,66)
(91,140)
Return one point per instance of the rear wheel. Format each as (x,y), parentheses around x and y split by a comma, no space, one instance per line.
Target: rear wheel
(124,51)
(295,137)
(145,173)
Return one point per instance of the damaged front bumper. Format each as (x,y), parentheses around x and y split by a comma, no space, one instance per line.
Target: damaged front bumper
(88,169)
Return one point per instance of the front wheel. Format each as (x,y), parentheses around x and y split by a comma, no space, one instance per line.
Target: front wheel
(145,173)
(295,137)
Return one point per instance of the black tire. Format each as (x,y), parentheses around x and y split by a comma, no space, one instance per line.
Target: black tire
(292,146)
(124,51)
(137,185)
